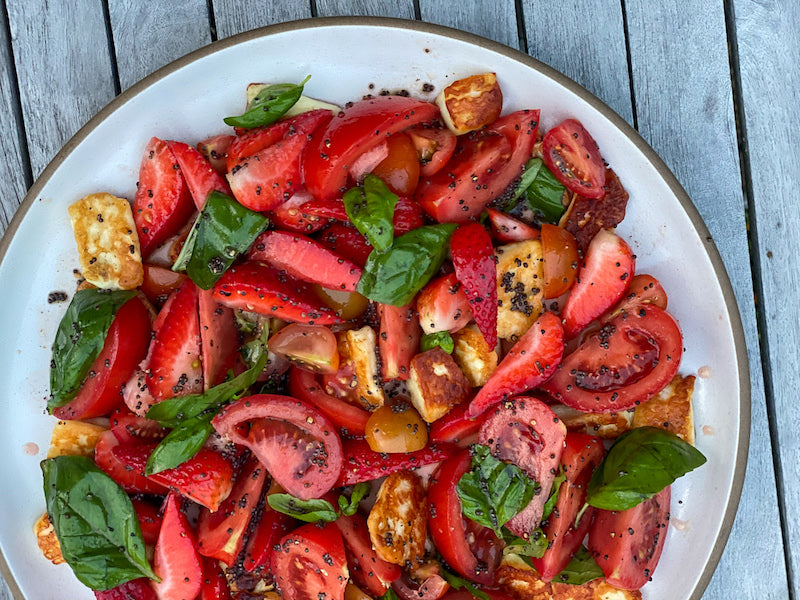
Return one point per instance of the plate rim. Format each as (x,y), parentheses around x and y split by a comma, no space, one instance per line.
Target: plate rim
(731,305)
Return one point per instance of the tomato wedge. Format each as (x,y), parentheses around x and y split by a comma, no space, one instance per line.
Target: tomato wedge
(367,569)
(572,155)
(560,252)
(349,417)
(434,145)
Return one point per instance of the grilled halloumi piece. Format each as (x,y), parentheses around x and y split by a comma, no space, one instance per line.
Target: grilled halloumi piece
(671,409)
(358,347)
(108,244)
(470,103)
(607,426)
(520,277)
(436,384)
(473,356)
(74,438)
(398,521)
(47,540)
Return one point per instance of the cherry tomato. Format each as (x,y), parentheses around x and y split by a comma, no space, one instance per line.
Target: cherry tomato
(305,386)
(176,561)
(215,149)
(347,305)
(310,347)
(434,146)
(643,289)
(160,282)
(507,229)
(367,569)
(560,260)
(574,158)
(400,169)
(396,427)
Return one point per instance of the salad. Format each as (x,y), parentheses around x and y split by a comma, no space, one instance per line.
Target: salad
(387,350)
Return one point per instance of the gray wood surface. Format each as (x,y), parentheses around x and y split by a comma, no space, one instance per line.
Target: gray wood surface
(236,16)
(403,9)
(494,20)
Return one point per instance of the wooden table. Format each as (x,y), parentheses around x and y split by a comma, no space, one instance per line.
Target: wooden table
(714,87)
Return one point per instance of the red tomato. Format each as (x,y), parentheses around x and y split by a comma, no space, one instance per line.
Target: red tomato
(291,216)
(507,229)
(398,341)
(136,589)
(124,348)
(582,453)
(359,128)
(367,569)
(219,338)
(349,417)
(643,289)
(215,584)
(311,347)
(627,544)
(456,427)
(215,149)
(127,427)
(160,282)
(431,587)
(310,564)
(346,241)
(149,519)
(176,561)
(524,431)
(400,169)
(396,427)
(629,360)
(434,146)
(560,253)
(297,443)
(130,480)
(269,529)
(200,176)
(364,464)
(574,158)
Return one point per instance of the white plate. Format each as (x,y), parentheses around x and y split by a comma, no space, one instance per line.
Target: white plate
(186,101)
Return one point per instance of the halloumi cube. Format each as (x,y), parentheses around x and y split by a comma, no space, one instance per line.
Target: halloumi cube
(473,356)
(436,384)
(671,409)
(74,438)
(470,103)
(608,426)
(520,280)
(358,348)
(108,244)
(398,522)
(47,540)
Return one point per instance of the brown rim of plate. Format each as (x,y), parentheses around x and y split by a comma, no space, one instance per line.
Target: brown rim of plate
(440,30)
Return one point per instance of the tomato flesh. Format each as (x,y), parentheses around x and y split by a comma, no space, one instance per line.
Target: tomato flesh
(572,155)
(396,427)
(434,146)
(367,569)
(310,347)
(350,418)
(560,253)
(400,169)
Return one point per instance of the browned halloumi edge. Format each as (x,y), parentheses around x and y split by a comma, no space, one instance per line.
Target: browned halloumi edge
(47,540)
(470,103)
(436,384)
(398,521)
(671,409)
(74,438)
(473,356)
(358,348)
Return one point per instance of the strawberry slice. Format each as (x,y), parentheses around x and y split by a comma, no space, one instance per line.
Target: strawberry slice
(136,589)
(305,259)
(215,149)
(530,362)
(476,269)
(291,216)
(218,336)
(364,464)
(258,288)
(346,240)
(506,229)
(398,341)
(206,478)
(162,203)
(602,280)
(176,561)
(443,306)
(200,176)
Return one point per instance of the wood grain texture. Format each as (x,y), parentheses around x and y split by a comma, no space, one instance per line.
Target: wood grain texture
(590,51)
(236,16)
(769,60)
(494,20)
(63,68)
(149,35)
(403,9)
(12,169)
(684,108)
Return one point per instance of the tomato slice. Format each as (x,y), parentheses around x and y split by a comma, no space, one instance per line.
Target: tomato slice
(629,360)
(176,561)
(215,149)
(295,441)
(160,282)
(627,544)
(270,528)
(310,564)
(524,431)
(572,155)
(456,427)
(560,253)
(643,289)
(311,347)
(356,130)
(149,519)
(507,229)
(364,464)
(349,417)
(400,169)
(434,146)
(215,584)
(367,569)
(587,216)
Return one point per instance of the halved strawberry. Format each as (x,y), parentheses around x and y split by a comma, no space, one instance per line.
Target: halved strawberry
(149,519)
(604,275)
(176,561)
(258,288)
(290,215)
(136,589)
(162,203)
(305,259)
(130,480)
(364,464)
(476,269)
(506,228)
(215,149)
(398,341)
(206,478)
(531,361)
(443,306)
(408,215)
(218,336)
(346,240)
(200,176)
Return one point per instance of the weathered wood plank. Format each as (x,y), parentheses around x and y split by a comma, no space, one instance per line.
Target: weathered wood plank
(149,35)
(769,60)
(590,51)
(63,67)
(12,168)
(684,108)
(494,20)
(403,9)
(236,16)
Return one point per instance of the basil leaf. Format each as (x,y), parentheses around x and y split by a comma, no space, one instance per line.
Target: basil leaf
(545,194)
(350,506)
(181,444)
(458,583)
(641,463)
(95,523)
(309,511)
(534,546)
(396,275)
(269,105)
(222,231)
(442,339)
(581,569)
(493,491)
(390,594)
(552,499)
(529,173)
(370,207)
(79,340)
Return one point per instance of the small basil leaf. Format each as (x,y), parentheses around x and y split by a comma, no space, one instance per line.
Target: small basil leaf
(553,497)
(641,463)
(389,594)
(370,207)
(493,491)
(95,523)
(529,173)
(269,105)
(458,583)
(442,339)
(349,506)
(545,194)
(181,444)
(396,275)
(309,511)
(535,546)
(222,231)
(583,568)
(79,340)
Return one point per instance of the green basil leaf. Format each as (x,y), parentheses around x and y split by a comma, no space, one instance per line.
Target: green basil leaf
(545,194)
(493,491)
(442,339)
(349,506)
(222,231)
(269,105)
(95,523)
(641,463)
(529,174)
(534,546)
(309,511)
(583,568)
(79,340)
(370,207)
(180,444)
(396,275)
(458,583)
(553,497)
(390,594)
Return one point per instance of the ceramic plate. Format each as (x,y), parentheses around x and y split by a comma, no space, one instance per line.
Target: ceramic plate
(186,101)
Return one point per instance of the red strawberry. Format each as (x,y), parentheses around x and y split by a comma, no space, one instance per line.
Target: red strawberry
(219,338)
(506,229)
(345,240)
(176,560)
(136,589)
(443,306)
(398,341)
(291,216)
(476,269)
(200,176)
(215,149)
